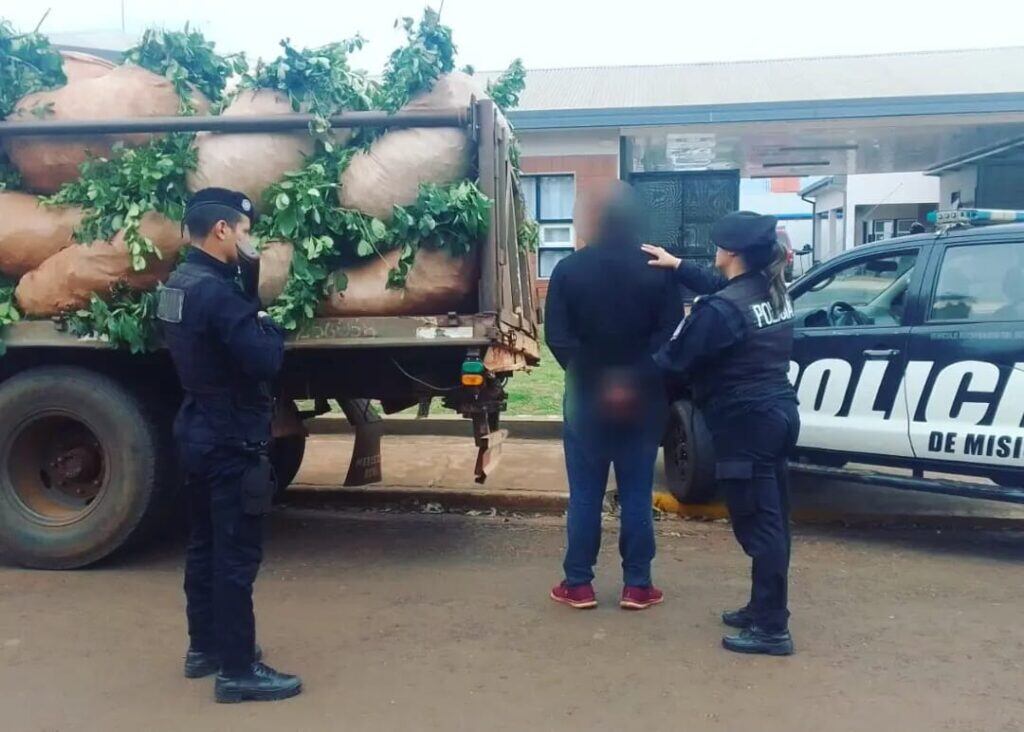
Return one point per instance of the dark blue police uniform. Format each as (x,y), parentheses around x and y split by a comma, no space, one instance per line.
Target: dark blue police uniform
(225,356)
(734,350)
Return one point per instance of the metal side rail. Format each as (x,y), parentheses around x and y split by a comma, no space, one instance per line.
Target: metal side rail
(926,485)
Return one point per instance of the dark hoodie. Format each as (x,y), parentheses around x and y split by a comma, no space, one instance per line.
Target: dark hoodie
(606,306)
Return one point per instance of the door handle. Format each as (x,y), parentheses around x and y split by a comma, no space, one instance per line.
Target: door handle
(881,352)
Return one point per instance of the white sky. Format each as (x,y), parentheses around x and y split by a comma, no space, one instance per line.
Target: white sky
(554,33)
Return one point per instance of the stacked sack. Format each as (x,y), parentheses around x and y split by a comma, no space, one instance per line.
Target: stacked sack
(37,242)
(386,175)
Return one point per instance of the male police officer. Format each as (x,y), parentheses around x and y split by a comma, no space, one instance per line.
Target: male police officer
(225,352)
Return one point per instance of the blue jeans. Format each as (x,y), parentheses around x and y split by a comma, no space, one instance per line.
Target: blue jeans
(591,449)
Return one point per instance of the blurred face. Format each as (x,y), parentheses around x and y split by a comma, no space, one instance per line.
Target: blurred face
(590,211)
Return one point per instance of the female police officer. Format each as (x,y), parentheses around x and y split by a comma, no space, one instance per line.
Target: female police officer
(734,350)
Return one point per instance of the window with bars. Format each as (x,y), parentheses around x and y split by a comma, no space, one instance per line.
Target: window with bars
(549,201)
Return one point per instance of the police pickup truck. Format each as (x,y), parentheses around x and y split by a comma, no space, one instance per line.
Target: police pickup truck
(908,353)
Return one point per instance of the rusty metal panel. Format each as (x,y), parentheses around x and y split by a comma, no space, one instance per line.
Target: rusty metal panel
(487,159)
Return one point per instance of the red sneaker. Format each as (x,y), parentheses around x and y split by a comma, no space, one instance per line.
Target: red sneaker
(581,597)
(640,598)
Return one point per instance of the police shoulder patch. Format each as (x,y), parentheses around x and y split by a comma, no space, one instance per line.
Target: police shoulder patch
(170,305)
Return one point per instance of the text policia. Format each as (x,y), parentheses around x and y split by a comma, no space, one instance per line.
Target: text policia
(966,410)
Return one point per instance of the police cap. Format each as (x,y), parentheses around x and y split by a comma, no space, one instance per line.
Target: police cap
(222,197)
(743,230)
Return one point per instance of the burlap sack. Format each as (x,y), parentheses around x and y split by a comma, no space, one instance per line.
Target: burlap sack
(127,91)
(79,66)
(68,279)
(251,163)
(391,171)
(31,233)
(275,264)
(437,284)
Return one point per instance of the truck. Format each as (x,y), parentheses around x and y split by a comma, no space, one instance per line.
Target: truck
(908,353)
(87,461)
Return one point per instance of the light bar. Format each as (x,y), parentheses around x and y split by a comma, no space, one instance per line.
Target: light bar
(975,216)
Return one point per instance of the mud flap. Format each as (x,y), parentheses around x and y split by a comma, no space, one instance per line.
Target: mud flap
(365,465)
(488,454)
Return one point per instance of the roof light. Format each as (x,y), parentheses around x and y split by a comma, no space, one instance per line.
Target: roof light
(975,216)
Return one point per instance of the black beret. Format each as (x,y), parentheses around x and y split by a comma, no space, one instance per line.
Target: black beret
(222,197)
(742,230)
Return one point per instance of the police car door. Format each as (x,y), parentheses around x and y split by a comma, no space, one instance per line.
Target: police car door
(851,337)
(966,372)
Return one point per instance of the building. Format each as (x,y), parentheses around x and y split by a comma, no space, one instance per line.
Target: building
(686,135)
(850,210)
(991,177)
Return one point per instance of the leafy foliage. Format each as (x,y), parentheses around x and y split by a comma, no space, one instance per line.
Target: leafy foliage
(319,79)
(187,60)
(507,88)
(118,191)
(412,69)
(10,178)
(529,236)
(325,236)
(126,321)
(8,309)
(28,63)
(452,218)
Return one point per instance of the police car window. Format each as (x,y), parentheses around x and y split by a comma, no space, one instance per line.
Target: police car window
(980,283)
(866,292)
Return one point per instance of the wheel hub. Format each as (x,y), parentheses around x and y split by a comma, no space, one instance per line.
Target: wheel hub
(56,467)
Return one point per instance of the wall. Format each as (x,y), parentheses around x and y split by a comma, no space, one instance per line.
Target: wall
(545,143)
(885,189)
(830,230)
(887,212)
(590,171)
(964,180)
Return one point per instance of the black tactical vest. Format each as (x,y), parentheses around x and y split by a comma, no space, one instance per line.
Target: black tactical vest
(757,367)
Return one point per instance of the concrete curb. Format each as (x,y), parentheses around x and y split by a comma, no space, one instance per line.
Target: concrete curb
(531,428)
(520,501)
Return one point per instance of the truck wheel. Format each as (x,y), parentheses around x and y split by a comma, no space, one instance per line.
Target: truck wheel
(84,469)
(689,455)
(286,455)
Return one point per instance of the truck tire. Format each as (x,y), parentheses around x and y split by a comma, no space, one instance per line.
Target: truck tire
(689,455)
(84,467)
(286,455)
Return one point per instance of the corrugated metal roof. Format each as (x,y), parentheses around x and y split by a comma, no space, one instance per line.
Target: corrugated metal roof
(934,73)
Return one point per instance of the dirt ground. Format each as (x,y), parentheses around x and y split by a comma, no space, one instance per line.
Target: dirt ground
(442,622)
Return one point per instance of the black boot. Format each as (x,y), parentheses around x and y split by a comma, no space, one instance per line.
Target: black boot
(199,664)
(259,683)
(757,640)
(741,618)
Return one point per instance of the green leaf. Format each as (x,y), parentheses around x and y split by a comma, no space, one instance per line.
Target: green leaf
(282,201)
(378,228)
(364,248)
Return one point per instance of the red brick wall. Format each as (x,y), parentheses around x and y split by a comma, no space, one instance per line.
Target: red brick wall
(590,172)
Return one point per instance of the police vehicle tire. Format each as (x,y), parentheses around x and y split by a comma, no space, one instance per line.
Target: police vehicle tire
(85,468)
(286,454)
(1009,480)
(689,455)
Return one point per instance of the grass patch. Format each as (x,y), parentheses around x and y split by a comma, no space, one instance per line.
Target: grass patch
(539,392)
